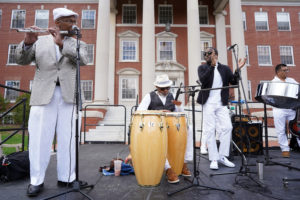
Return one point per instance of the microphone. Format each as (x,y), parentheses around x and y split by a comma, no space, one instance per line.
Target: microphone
(231,47)
(75,28)
(178,92)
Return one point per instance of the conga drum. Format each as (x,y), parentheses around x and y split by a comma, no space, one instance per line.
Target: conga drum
(148,146)
(177,139)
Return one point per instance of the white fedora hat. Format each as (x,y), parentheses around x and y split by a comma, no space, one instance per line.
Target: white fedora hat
(63,12)
(162,81)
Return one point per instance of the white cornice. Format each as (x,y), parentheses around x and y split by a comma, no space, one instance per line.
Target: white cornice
(271,3)
(49,1)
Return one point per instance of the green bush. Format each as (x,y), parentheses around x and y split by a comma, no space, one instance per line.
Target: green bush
(3,104)
(18,112)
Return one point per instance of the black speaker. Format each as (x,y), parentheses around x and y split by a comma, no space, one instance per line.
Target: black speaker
(250,136)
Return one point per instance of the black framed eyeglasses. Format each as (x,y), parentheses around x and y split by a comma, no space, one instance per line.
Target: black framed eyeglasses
(207,53)
(165,88)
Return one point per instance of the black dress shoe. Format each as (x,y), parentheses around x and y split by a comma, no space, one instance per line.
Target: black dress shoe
(70,184)
(34,190)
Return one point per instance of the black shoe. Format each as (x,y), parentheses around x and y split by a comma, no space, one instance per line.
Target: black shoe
(70,184)
(34,190)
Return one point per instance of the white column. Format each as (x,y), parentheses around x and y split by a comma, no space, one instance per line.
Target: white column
(111,69)
(148,47)
(102,52)
(237,37)
(194,49)
(221,36)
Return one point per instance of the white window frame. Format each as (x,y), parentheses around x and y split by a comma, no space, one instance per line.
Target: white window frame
(289,20)
(267,19)
(165,5)
(204,6)
(136,42)
(270,54)
(292,51)
(12,15)
(249,90)
(93,54)
(136,87)
(244,21)
(94,18)
(203,47)
(83,89)
(35,18)
(129,5)
(247,55)
(159,40)
(5,92)
(8,55)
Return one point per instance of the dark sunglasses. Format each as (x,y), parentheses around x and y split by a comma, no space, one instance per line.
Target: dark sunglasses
(165,88)
(207,53)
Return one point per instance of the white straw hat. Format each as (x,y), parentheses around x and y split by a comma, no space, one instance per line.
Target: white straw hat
(63,12)
(162,81)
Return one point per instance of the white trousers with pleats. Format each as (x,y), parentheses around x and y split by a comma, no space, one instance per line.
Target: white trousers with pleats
(44,121)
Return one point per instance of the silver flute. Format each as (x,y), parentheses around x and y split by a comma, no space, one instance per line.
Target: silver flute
(31,30)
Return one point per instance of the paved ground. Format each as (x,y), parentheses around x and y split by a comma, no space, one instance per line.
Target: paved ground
(92,156)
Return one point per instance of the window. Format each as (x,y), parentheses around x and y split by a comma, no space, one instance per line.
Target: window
(88,19)
(128,88)
(129,50)
(87,90)
(42,18)
(203,14)
(286,55)
(11,95)
(12,54)
(249,90)
(90,54)
(261,21)
(283,21)
(204,45)
(129,14)
(244,21)
(18,19)
(264,55)
(30,85)
(165,14)
(247,54)
(0,17)
(166,50)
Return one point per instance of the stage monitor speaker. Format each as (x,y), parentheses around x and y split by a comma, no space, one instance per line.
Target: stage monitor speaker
(251,138)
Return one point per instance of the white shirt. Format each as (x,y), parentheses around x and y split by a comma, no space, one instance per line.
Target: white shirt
(147,100)
(215,95)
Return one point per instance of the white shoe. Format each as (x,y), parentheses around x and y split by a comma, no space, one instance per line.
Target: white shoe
(226,162)
(203,151)
(214,165)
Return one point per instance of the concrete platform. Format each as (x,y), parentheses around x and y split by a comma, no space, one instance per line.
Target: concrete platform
(92,156)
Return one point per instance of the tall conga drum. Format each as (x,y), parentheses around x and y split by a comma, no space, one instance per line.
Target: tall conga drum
(148,146)
(177,139)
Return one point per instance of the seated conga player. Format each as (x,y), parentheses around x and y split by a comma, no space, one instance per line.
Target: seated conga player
(281,116)
(162,99)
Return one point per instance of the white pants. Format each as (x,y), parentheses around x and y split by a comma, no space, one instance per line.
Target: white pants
(280,118)
(44,121)
(188,150)
(217,115)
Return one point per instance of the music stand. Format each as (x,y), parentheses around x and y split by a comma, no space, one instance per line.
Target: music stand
(244,170)
(76,183)
(196,178)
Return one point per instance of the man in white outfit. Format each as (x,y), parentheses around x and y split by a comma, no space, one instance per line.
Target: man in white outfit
(162,99)
(214,103)
(281,116)
(52,98)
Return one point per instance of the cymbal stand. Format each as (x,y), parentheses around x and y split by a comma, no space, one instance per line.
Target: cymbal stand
(195,182)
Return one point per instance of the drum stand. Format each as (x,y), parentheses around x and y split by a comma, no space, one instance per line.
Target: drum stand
(76,187)
(195,181)
(244,169)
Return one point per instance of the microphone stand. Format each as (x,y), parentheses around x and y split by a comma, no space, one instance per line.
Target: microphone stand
(195,182)
(244,169)
(76,187)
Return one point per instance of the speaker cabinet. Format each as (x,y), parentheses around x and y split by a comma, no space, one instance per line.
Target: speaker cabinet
(249,140)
